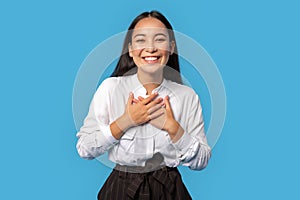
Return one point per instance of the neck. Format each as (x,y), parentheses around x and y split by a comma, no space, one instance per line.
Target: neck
(150,81)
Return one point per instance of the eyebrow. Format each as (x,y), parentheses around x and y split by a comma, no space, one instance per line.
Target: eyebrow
(137,35)
(158,34)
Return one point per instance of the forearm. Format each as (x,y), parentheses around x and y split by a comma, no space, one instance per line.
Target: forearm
(119,126)
(192,152)
(92,142)
(174,130)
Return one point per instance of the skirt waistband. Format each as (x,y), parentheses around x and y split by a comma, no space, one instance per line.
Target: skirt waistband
(152,164)
(140,169)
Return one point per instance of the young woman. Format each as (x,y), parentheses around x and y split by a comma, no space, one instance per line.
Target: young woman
(145,118)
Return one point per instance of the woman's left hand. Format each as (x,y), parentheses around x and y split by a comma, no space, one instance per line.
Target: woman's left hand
(166,121)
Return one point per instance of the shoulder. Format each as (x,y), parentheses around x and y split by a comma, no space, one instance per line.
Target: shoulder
(111,83)
(107,85)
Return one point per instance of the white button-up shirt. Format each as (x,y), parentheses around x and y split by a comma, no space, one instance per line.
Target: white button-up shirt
(140,143)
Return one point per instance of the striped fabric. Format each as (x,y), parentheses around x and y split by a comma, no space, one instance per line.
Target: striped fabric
(162,184)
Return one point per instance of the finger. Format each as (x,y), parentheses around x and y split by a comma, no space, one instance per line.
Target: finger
(130,98)
(154,108)
(150,98)
(168,106)
(140,98)
(166,101)
(155,102)
(157,114)
(135,101)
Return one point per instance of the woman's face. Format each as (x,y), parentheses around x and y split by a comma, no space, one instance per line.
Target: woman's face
(151,46)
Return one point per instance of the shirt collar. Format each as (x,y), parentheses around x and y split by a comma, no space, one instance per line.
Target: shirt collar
(140,88)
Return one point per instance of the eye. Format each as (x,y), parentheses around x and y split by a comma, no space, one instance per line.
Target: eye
(160,39)
(140,40)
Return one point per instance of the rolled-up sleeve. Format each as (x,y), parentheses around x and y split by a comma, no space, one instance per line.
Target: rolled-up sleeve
(192,148)
(95,137)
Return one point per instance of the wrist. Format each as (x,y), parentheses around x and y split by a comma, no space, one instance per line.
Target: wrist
(119,126)
(174,130)
(124,122)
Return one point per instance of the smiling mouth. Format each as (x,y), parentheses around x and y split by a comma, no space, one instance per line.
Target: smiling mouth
(151,59)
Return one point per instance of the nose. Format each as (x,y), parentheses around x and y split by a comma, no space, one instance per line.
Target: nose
(150,47)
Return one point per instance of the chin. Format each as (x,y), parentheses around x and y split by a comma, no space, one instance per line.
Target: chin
(152,68)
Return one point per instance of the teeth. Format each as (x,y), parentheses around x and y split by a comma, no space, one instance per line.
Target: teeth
(150,58)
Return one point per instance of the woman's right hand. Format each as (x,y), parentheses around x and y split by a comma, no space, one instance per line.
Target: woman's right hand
(137,112)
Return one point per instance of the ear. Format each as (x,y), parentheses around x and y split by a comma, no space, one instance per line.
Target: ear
(130,49)
(172,47)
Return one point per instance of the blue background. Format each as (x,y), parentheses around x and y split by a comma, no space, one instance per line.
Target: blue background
(255,45)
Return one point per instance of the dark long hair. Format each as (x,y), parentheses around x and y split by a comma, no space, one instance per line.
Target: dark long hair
(126,64)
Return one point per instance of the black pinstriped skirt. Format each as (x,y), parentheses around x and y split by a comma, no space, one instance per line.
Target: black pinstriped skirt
(162,184)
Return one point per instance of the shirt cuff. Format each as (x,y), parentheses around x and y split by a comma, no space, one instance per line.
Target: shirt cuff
(109,137)
(184,143)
